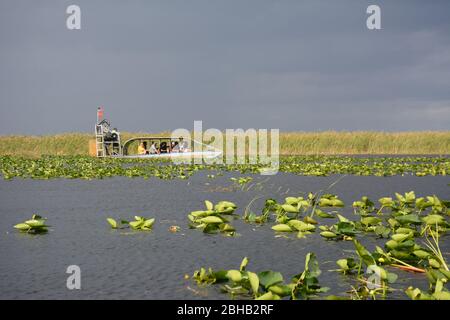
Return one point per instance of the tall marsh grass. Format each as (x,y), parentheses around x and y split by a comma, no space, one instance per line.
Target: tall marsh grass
(291,143)
(365,142)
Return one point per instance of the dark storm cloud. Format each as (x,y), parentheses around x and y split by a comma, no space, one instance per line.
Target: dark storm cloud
(160,65)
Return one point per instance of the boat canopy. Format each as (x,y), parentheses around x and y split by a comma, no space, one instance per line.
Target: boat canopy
(163,143)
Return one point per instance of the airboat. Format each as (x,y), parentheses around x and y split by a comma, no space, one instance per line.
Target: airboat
(108,144)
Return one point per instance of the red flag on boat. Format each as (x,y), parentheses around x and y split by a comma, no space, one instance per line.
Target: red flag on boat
(99,114)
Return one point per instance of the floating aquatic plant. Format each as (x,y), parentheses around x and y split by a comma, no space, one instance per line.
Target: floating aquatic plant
(343,230)
(438,273)
(35,225)
(264,285)
(347,265)
(83,167)
(439,293)
(287,215)
(139,223)
(378,278)
(250,216)
(330,200)
(213,220)
(364,207)
(241,180)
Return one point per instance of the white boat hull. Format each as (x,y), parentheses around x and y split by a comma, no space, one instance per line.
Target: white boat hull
(197,154)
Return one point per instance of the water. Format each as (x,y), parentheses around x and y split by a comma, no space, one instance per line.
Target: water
(124,264)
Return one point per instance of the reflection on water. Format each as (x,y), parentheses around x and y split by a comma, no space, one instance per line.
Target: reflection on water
(118,264)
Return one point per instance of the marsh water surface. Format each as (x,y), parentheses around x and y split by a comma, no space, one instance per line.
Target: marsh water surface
(124,264)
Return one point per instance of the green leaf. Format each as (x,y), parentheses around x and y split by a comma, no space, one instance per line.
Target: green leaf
(209,205)
(386,202)
(325,202)
(136,224)
(35,222)
(337,203)
(391,277)
(149,223)
(225,227)
(280,290)
(211,220)
(400,237)
(323,214)
(410,197)
(346,228)
(409,218)
(220,275)
(268,296)
(365,255)
(342,263)
(370,221)
(310,220)
(269,278)
(405,230)
(289,208)
(22,226)
(382,231)
(391,244)
(243,264)
(328,234)
(443,295)
(234,275)
(226,204)
(112,222)
(432,219)
(254,282)
(292,200)
(209,227)
(417,294)
(198,213)
(300,225)
(282,228)
(422,254)
(342,218)
(312,265)
(434,263)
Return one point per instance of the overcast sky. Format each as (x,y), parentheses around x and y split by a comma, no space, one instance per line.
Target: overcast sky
(159,65)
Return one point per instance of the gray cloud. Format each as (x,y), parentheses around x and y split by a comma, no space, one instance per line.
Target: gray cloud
(160,65)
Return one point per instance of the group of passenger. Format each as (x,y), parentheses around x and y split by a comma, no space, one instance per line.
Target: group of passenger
(174,147)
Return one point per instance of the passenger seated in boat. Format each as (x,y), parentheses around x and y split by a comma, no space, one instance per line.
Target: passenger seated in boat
(142,148)
(183,146)
(153,149)
(175,147)
(163,148)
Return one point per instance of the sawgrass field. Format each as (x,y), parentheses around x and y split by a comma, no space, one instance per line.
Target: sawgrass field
(291,143)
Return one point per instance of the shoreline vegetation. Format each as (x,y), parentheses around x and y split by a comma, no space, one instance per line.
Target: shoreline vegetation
(291,143)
